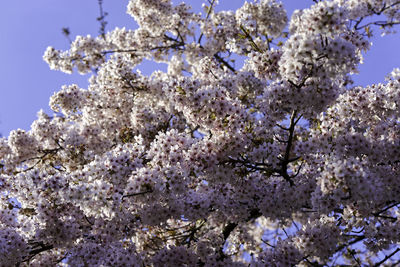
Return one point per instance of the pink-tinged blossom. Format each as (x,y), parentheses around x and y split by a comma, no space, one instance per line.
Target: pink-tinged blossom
(280,162)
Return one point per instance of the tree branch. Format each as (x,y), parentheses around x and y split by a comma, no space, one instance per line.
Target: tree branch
(387,257)
(230,227)
(283,171)
(101,20)
(208,15)
(37,248)
(223,62)
(137,194)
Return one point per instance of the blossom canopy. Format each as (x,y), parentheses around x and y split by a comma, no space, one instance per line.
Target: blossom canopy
(279,161)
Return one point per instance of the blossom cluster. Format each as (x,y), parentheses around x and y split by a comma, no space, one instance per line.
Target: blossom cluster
(279,162)
(267,17)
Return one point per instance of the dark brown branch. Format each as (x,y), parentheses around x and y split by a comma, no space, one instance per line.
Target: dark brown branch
(119,51)
(312,263)
(303,81)
(266,243)
(137,194)
(248,36)
(358,232)
(179,44)
(192,233)
(228,230)
(280,140)
(393,219)
(208,15)
(282,127)
(391,163)
(230,227)
(353,254)
(66,32)
(387,257)
(385,209)
(87,219)
(386,7)
(223,62)
(36,248)
(378,23)
(283,171)
(101,20)
(298,170)
(193,130)
(284,160)
(251,166)
(352,242)
(41,158)
(166,125)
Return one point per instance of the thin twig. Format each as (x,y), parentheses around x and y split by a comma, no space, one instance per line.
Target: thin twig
(208,15)
(101,20)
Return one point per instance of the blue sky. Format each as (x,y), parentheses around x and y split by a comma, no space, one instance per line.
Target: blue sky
(27,27)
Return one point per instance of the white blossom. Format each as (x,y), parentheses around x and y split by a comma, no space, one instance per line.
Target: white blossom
(279,162)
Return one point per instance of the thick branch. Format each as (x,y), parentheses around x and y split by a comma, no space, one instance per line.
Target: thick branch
(283,171)
(37,248)
(230,227)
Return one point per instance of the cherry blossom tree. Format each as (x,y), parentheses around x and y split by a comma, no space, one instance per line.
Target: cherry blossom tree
(281,161)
